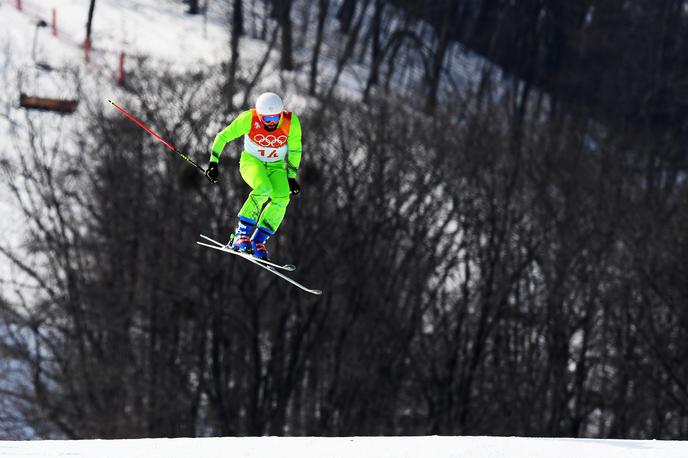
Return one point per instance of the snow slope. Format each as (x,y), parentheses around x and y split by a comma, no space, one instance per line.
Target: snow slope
(354,447)
(158,29)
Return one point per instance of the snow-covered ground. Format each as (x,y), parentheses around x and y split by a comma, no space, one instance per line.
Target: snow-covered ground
(354,447)
(159,29)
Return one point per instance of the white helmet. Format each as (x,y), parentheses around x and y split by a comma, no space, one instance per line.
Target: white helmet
(269,103)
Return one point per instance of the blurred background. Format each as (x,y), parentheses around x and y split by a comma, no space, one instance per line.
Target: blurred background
(493,200)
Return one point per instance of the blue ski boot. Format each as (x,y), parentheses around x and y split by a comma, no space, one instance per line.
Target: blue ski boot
(241,239)
(260,236)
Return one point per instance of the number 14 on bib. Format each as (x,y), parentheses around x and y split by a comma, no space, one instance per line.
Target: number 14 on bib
(270,155)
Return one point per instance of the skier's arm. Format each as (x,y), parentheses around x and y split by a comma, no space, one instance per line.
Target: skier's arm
(294,147)
(240,126)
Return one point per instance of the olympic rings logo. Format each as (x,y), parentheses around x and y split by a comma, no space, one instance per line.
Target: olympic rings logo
(269,140)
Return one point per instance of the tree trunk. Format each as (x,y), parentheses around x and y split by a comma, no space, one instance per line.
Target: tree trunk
(322,16)
(435,72)
(348,49)
(193,7)
(89,22)
(287,58)
(345,15)
(376,52)
(237,31)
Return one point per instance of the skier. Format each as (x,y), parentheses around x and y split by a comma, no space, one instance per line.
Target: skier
(268,163)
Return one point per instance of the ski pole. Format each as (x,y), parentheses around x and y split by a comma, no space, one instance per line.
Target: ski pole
(144,127)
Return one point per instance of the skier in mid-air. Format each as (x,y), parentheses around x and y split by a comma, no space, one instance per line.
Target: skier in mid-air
(271,157)
(268,164)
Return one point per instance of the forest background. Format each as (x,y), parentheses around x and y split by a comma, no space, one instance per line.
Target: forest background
(506,257)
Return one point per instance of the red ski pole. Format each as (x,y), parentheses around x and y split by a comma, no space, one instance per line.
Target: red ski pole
(144,127)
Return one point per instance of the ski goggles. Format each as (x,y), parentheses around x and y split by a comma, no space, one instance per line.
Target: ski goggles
(270,118)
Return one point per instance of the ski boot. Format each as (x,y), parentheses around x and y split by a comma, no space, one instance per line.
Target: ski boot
(260,236)
(240,240)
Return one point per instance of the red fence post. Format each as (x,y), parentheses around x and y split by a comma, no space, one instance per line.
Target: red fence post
(87,48)
(121,77)
(54,22)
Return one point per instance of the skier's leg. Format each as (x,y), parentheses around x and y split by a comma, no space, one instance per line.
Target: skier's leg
(274,213)
(254,173)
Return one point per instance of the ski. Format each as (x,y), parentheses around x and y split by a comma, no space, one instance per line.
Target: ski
(269,266)
(221,247)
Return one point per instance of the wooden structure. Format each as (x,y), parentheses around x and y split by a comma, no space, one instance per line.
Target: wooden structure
(47,104)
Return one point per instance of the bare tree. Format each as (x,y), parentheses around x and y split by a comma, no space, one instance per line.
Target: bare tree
(235,37)
(434,71)
(193,7)
(376,51)
(284,18)
(348,49)
(323,8)
(89,21)
(516,267)
(346,14)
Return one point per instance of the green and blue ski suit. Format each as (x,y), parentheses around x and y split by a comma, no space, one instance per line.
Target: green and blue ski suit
(269,158)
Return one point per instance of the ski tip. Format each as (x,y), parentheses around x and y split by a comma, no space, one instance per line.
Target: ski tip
(289,267)
(317,292)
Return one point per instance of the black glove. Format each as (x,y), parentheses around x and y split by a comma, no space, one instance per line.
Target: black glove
(212,172)
(294,187)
